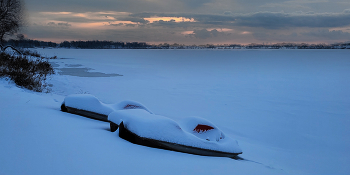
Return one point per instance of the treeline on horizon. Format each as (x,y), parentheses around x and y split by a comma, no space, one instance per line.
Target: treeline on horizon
(96,44)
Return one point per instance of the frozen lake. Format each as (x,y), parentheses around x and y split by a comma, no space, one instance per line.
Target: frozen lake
(233,79)
(288,109)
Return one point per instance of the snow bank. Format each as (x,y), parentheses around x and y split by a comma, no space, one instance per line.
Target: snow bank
(147,125)
(289,109)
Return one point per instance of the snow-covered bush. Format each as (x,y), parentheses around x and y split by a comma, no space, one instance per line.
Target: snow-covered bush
(25,72)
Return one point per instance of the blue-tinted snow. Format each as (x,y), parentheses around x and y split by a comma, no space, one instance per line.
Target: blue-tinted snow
(288,109)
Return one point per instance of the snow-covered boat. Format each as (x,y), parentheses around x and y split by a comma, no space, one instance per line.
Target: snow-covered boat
(89,106)
(137,124)
(192,135)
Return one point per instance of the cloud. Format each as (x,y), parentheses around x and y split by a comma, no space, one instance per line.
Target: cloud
(171,24)
(314,35)
(64,24)
(53,31)
(169,27)
(277,36)
(228,13)
(117,25)
(130,25)
(79,17)
(198,20)
(132,6)
(204,33)
(195,3)
(75,19)
(346,11)
(327,35)
(59,25)
(133,19)
(268,20)
(79,5)
(196,16)
(124,24)
(276,20)
(318,6)
(189,6)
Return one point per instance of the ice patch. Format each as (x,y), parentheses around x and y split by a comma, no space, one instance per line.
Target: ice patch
(83,72)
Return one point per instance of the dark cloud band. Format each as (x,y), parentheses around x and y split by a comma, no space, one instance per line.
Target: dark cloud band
(269,20)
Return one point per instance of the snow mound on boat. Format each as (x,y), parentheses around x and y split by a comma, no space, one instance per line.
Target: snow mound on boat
(128,104)
(147,125)
(89,102)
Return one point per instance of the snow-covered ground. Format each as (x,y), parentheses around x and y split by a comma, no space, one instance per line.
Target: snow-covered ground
(289,110)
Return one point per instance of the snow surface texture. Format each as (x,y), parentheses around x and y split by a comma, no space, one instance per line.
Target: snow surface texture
(289,110)
(157,127)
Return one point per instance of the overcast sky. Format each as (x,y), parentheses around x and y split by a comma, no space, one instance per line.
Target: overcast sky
(189,21)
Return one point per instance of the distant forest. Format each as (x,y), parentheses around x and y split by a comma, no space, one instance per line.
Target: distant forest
(95,44)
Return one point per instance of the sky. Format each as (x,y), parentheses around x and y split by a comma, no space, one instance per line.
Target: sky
(189,21)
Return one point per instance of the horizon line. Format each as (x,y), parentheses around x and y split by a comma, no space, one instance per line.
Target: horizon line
(167,43)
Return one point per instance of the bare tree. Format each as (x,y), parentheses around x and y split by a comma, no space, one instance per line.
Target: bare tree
(10,17)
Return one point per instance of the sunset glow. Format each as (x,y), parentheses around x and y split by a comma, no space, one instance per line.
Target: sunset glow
(174,19)
(187,32)
(245,33)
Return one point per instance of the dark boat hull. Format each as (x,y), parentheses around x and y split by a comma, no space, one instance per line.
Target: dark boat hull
(85,113)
